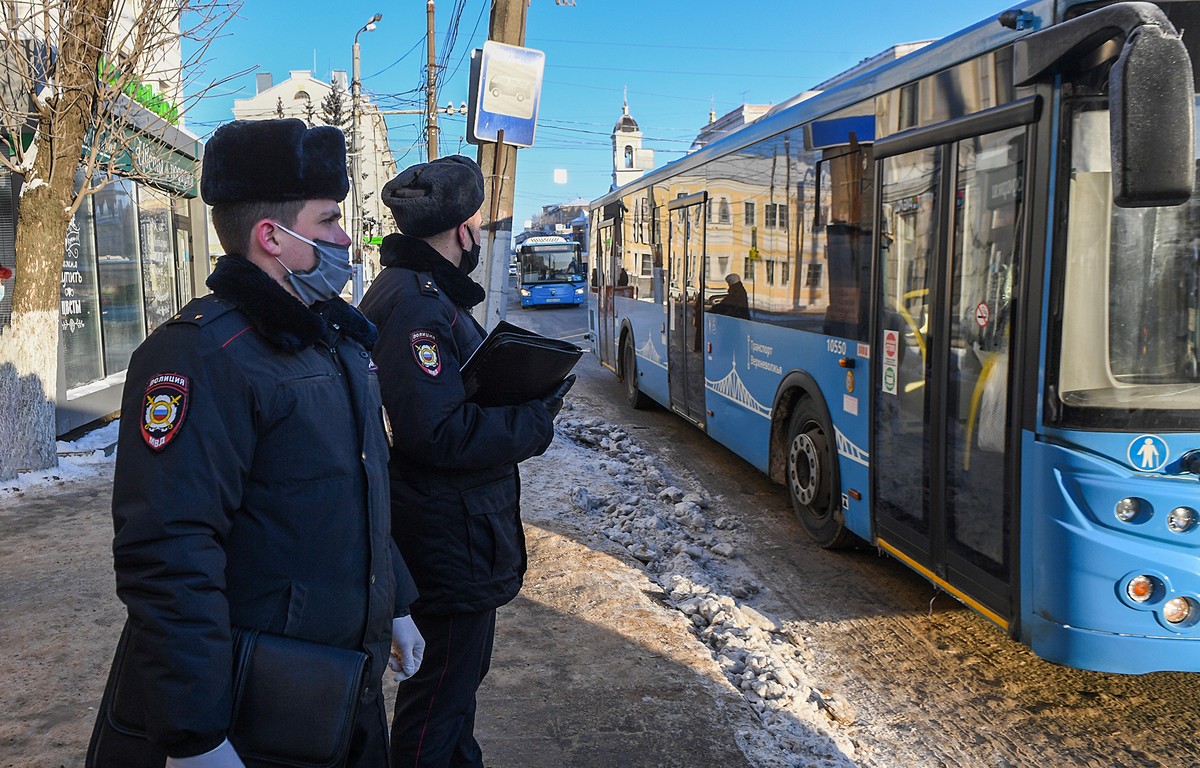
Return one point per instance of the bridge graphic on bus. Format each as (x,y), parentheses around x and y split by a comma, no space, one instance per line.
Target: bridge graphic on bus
(650,354)
(851,451)
(732,387)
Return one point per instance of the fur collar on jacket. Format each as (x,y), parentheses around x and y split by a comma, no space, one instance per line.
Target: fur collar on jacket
(278,315)
(400,250)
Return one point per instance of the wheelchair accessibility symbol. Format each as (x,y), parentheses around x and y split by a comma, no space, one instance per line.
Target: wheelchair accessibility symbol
(1148,453)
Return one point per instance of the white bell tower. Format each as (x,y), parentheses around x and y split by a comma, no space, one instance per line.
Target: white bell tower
(630,160)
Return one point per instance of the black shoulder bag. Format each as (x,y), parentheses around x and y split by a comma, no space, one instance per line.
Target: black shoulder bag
(281,719)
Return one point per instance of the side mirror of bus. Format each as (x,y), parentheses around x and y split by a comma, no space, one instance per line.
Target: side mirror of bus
(1151,94)
(1152,120)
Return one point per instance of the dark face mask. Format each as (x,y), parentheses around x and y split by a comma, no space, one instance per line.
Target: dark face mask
(470,259)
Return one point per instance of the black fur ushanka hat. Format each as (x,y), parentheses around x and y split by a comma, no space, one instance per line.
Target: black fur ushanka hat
(274,161)
(432,197)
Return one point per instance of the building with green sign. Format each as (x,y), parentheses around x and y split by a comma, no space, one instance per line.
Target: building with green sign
(136,251)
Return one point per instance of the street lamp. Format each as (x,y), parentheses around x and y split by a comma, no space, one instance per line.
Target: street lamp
(355,162)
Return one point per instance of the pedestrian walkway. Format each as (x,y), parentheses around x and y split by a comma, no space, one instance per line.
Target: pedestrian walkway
(589,670)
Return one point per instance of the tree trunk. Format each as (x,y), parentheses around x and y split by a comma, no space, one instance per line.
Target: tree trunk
(29,348)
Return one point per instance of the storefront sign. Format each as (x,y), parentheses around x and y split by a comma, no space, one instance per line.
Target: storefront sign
(143,94)
(135,156)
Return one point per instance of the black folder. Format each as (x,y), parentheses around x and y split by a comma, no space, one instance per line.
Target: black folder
(514,366)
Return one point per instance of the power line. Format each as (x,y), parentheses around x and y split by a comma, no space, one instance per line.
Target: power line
(706,49)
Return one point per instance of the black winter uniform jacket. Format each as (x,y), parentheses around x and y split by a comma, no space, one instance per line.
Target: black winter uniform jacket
(455,489)
(250,490)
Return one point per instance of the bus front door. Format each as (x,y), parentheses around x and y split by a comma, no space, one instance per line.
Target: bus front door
(602,281)
(685,324)
(943,490)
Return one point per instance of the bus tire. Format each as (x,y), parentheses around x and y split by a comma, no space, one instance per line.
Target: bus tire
(633,395)
(811,472)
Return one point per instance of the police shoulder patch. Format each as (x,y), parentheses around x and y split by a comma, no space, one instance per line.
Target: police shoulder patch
(425,350)
(164,408)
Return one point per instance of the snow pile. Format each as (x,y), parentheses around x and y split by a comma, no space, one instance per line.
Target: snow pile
(690,552)
(90,455)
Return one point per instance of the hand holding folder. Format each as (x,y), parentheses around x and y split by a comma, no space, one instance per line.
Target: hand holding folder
(513,366)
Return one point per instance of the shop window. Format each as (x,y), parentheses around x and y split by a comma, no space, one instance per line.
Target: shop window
(158,256)
(122,321)
(79,320)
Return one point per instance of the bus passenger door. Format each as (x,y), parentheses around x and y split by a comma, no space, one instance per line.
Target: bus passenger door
(949,247)
(685,323)
(602,279)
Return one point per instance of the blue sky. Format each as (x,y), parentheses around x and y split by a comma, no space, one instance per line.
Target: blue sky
(675,60)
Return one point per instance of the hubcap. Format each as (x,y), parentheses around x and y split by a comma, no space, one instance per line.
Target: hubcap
(804,469)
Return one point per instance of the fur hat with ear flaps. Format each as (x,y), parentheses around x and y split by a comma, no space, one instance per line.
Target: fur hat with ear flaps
(433,197)
(274,161)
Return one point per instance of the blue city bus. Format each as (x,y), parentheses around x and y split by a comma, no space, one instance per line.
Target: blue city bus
(953,305)
(550,270)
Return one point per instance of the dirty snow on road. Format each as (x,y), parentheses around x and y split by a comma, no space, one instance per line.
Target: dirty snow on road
(619,491)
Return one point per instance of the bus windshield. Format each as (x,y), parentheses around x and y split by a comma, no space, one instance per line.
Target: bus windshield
(1131,298)
(557,263)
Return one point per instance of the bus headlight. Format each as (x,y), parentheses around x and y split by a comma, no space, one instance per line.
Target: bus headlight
(1177,610)
(525,292)
(1128,509)
(1140,588)
(1181,519)
(579,291)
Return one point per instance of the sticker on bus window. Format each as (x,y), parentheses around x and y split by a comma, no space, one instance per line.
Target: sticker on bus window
(891,361)
(982,314)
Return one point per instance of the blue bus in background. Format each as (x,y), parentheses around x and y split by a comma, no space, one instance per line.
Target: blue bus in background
(550,270)
(952,304)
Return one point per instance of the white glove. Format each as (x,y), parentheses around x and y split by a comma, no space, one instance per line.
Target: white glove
(221,757)
(408,648)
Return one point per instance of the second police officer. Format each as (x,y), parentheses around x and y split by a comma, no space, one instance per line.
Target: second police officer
(455,487)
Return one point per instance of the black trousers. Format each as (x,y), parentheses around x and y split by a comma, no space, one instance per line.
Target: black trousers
(434,721)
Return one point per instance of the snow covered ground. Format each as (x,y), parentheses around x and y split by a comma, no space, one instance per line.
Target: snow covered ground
(618,491)
(89,455)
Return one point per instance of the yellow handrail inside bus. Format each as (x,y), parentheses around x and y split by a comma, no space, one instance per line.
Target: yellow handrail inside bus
(989,365)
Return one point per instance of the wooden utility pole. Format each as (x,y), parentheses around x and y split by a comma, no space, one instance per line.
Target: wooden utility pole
(499,164)
(431,111)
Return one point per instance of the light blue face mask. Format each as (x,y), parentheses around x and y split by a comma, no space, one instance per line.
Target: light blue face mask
(327,279)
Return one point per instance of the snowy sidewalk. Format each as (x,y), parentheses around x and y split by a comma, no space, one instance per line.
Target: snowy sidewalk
(630,644)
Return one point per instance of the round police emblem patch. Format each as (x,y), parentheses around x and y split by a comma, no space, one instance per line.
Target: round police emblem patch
(425,350)
(164,406)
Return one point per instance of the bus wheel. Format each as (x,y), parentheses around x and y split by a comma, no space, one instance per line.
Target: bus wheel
(810,470)
(634,396)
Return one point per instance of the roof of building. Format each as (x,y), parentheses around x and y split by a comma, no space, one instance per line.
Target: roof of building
(625,124)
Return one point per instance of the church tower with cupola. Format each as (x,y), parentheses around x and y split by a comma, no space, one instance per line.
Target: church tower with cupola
(630,160)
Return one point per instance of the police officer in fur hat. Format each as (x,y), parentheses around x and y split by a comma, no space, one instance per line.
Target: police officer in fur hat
(251,484)
(455,488)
